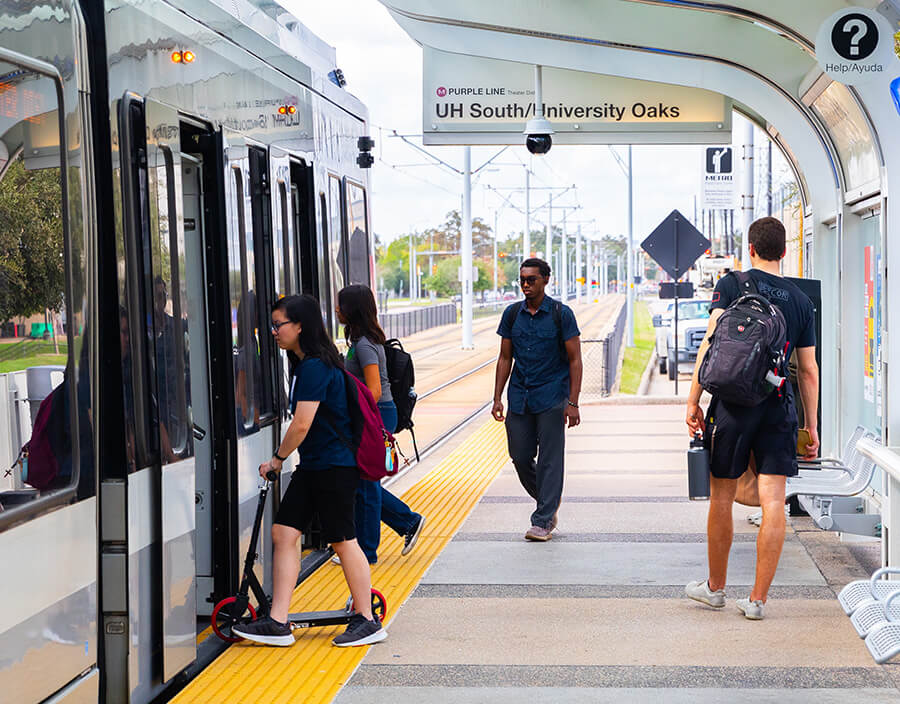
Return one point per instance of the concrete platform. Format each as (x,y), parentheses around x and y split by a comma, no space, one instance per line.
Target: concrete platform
(597,614)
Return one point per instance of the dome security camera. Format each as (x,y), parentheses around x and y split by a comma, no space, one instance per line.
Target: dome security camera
(538,139)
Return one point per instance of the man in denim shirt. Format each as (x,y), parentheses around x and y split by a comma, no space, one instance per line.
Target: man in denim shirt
(542,336)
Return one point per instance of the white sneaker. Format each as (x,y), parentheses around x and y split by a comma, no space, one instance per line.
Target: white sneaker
(751,609)
(335,560)
(700,591)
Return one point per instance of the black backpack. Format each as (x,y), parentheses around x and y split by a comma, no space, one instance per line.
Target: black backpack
(749,341)
(402,378)
(513,310)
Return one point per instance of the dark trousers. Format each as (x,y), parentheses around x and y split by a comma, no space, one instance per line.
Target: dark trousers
(542,435)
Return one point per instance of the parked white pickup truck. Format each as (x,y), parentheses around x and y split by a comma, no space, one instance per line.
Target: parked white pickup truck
(693,318)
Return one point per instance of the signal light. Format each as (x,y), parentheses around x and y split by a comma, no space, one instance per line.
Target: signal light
(176,57)
(287,109)
(188,57)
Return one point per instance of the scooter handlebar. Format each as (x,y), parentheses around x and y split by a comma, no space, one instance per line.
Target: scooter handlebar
(271,475)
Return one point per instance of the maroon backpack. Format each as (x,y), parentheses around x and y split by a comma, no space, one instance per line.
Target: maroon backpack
(37,456)
(374,447)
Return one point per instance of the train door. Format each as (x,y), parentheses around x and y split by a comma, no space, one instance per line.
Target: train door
(198,365)
(250,287)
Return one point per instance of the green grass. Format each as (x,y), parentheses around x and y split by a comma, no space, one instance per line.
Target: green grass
(16,365)
(636,357)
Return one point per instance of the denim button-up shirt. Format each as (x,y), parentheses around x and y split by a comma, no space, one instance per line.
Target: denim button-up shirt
(540,374)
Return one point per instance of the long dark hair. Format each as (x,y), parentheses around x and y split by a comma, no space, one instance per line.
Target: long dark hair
(357,304)
(314,339)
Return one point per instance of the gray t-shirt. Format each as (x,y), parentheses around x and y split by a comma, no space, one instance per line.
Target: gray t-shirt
(361,354)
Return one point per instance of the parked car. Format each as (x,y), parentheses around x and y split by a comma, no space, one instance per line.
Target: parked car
(693,319)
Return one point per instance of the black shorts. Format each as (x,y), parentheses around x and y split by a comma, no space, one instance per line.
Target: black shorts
(768,430)
(330,493)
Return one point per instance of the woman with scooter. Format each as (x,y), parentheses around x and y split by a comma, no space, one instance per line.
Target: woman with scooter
(325,482)
(366,360)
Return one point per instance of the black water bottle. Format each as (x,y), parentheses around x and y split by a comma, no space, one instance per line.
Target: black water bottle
(698,470)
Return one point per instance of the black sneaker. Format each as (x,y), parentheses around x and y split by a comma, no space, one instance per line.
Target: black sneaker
(361,632)
(409,540)
(266,631)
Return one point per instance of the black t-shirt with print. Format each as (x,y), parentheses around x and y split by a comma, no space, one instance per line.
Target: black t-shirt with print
(798,310)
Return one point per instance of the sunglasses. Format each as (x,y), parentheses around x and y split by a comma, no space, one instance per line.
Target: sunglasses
(529,280)
(277,326)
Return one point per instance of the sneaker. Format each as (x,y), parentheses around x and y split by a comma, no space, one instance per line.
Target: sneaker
(751,609)
(335,560)
(700,591)
(410,539)
(266,631)
(361,632)
(538,534)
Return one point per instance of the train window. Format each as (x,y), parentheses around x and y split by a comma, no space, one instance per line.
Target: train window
(41,374)
(302,209)
(284,258)
(328,272)
(260,248)
(357,235)
(244,312)
(336,234)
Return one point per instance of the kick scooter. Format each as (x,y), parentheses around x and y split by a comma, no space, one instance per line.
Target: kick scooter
(235,610)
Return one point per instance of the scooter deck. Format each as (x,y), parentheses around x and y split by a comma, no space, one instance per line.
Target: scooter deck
(313,619)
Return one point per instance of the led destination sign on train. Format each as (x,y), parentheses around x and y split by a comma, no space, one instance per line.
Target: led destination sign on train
(516,111)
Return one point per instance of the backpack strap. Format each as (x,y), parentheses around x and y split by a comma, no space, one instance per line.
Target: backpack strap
(510,315)
(557,320)
(746,284)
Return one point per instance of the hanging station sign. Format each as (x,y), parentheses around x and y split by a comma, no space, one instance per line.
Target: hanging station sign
(473,100)
(718,178)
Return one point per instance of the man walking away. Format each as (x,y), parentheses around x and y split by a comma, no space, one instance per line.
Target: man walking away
(767,432)
(541,335)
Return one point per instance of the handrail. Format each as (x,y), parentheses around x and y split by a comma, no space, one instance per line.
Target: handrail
(888,458)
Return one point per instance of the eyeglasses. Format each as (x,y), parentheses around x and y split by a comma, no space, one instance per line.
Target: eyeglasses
(530,280)
(277,326)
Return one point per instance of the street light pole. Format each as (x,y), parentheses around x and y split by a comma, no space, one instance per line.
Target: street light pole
(578,264)
(467,250)
(564,262)
(629,291)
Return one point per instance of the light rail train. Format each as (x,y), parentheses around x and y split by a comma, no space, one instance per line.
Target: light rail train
(168,168)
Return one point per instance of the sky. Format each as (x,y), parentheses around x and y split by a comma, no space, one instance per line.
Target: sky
(383,68)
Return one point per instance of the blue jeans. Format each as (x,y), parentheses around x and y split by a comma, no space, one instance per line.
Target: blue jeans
(375,504)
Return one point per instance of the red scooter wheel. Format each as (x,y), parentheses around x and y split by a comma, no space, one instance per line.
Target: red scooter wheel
(379,604)
(223,619)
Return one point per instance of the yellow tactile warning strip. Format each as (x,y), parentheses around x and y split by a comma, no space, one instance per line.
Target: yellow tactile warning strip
(312,671)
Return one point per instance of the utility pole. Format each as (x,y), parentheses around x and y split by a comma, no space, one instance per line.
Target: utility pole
(564,262)
(747,205)
(496,235)
(412,270)
(548,254)
(578,265)
(466,249)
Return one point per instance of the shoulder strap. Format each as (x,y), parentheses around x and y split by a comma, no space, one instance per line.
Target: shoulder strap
(556,307)
(510,314)
(746,284)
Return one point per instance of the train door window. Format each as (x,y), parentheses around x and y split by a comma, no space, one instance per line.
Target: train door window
(336,236)
(284,265)
(328,290)
(44,358)
(169,312)
(243,303)
(302,212)
(260,249)
(357,235)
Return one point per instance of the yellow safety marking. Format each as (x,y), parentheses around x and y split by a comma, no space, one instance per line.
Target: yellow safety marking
(313,670)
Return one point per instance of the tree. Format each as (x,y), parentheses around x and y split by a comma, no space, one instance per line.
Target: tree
(32,268)
(445,280)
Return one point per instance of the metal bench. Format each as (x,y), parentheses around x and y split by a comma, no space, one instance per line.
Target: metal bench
(825,484)
(883,639)
(863,591)
(823,488)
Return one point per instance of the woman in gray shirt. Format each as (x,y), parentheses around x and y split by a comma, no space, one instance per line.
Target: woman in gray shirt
(366,360)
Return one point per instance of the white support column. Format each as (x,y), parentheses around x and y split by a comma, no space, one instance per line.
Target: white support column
(526,236)
(467,251)
(747,202)
(629,291)
(496,235)
(578,264)
(412,270)
(564,263)
(548,252)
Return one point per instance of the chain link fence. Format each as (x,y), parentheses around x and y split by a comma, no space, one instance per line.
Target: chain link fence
(407,322)
(601,359)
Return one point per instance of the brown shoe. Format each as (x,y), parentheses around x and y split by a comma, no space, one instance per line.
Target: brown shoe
(538,534)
